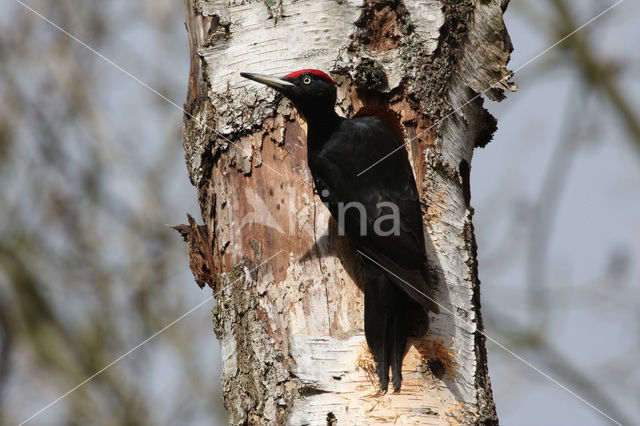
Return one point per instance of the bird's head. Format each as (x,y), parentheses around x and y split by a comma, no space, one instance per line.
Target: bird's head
(311,91)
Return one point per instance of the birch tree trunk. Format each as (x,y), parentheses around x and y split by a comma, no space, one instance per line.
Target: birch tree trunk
(289,311)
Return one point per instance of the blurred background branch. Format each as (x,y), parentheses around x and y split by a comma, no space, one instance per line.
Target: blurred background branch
(599,73)
(567,243)
(91,167)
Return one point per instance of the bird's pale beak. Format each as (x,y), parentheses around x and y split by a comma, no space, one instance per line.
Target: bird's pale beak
(278,83)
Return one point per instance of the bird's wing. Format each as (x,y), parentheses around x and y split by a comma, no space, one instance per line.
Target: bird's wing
(386,187)
(336,168)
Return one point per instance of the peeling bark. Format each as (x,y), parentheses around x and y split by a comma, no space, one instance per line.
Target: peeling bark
(291,330)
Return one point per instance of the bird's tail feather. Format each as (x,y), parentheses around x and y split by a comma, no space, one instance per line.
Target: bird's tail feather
(386,325)
(415,283)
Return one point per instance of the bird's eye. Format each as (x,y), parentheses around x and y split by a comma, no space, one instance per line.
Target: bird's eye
(306,80)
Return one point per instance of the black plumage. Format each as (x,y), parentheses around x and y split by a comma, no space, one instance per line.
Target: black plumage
(379,209)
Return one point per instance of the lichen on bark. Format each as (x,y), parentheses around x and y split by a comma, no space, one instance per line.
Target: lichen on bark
(255,381)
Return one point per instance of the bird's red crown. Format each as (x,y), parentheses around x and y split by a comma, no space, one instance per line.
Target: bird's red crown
(311,71)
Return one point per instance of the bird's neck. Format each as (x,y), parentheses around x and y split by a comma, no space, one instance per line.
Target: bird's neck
(320,125)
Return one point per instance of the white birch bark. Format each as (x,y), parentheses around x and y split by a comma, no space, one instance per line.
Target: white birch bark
(291,329)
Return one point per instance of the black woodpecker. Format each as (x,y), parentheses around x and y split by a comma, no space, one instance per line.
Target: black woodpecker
(393,257)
